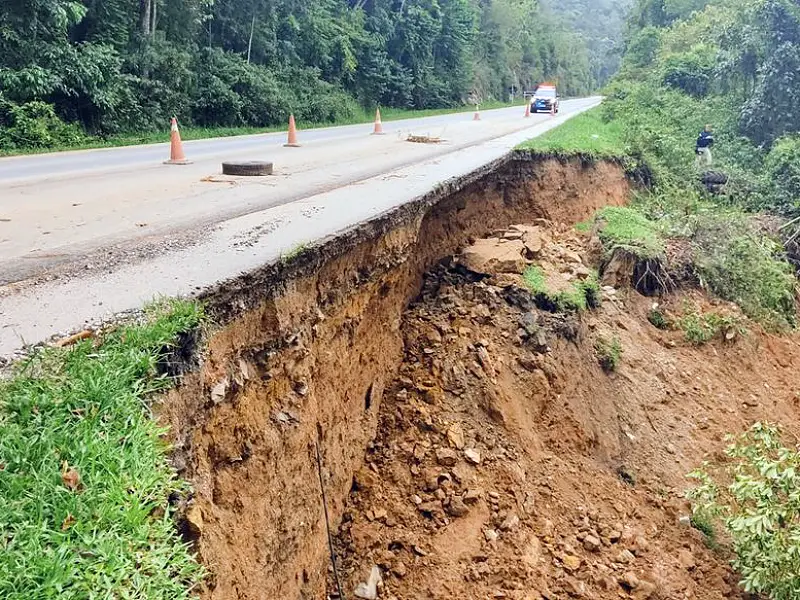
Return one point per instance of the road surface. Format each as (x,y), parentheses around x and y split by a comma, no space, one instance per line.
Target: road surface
(84,235)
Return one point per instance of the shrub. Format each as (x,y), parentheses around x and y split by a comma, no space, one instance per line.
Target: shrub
(700,328)
(34,125)
(755,496)
(782,170)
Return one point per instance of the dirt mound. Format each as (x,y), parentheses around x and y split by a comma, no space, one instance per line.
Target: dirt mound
(507,464)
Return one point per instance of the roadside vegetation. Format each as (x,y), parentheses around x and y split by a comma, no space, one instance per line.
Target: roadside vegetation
(84,478)
(78,73)
(736,66)
(69,138)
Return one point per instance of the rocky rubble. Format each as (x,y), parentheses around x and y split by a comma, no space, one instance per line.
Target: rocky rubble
(505,466)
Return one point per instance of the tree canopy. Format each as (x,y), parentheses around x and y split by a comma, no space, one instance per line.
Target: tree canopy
(111,66)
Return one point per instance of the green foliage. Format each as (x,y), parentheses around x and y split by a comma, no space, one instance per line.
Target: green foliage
(742,267)
(658,319)
(577,296)
(626,228)
(782,172)
(118,66)
(700,328)
(756,499)
(34,125)
(609,353)
(84,481)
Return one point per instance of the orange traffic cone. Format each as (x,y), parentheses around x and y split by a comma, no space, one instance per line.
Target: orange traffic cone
(527,109)
(176,156)
(553,110)
(477,116)
(378,125)
(292,141)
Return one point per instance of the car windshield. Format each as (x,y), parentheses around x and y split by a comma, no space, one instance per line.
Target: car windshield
(546,93)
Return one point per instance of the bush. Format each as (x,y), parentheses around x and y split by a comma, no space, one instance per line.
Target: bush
(743,268)
(782,170)
(34,125)
(756,498)
(700,328)
(690,72)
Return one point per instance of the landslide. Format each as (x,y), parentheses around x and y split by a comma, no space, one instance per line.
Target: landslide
(509,464)
(458,425)
(299,361)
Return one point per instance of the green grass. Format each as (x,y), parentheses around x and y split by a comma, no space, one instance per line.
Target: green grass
(587,133)
(201,133)
(578,296)
(83,411)
(627,228)
(609,353)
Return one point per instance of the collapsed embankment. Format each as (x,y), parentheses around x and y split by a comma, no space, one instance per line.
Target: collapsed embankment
(301,359)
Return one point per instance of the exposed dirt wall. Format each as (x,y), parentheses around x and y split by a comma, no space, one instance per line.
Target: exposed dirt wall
(300,357)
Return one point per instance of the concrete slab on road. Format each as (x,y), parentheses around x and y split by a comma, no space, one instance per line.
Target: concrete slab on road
(234,245)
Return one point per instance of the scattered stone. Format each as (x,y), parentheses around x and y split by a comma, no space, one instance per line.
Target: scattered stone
(625,557)
(591,543)
(472,496)
(490,535)
(571,562)
(491,255)
(219,391)
(510,522)
(456,507)
(455,435)
(685,521)
(446,457)
(629,581)
(369,590)
(686,559)
(400,569)
(472,456)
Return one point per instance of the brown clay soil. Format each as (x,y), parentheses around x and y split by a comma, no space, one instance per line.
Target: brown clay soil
(508,464)
(471,446)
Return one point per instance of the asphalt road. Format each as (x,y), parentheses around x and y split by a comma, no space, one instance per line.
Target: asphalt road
(85,235)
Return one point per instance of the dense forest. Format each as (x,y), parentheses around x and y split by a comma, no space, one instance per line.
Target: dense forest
(70,67)
(734,64)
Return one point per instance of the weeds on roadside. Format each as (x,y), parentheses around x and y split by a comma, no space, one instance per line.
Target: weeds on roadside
(84,480)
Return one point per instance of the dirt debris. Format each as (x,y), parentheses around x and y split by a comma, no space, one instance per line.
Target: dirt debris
(508,465)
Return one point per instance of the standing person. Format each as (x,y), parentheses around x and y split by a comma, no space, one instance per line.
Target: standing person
(703,147)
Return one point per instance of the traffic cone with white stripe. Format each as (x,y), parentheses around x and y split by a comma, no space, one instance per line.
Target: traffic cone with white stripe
(176,155)
(527,109)
(477,116)
(378,125)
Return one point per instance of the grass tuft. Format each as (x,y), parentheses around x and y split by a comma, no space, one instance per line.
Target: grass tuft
(579,296)
(609,353)
(84,479)
(627,228)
